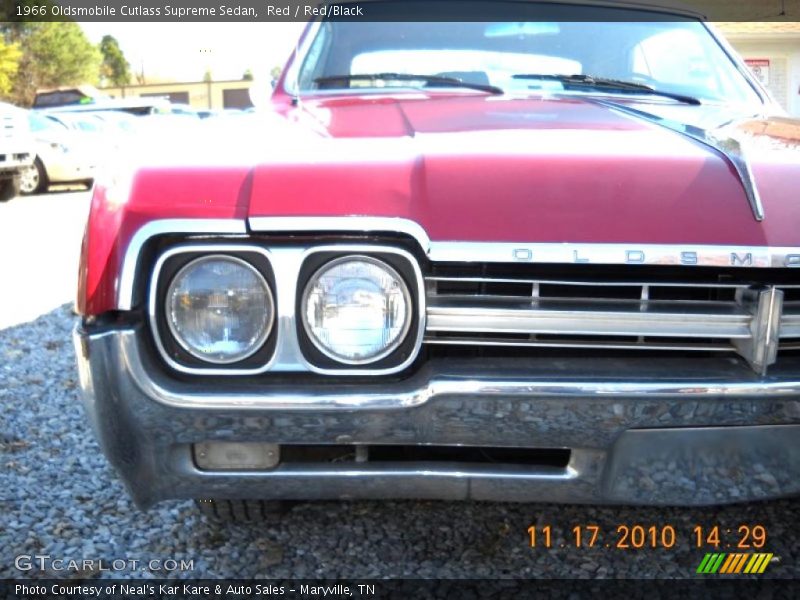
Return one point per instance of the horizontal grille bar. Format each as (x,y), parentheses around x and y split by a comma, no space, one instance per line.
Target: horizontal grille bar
(585,343)
(615,314)
(598,317)
(614,283)
(790,323)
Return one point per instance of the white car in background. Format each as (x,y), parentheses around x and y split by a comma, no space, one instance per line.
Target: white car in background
(65,153)
(16,150)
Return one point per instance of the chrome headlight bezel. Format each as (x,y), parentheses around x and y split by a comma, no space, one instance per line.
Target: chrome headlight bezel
(405,262)
(390,348)
(177,354)
(287,268)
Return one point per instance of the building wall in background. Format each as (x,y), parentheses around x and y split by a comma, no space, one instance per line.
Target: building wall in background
(784,69)
(197,94)
(775,44)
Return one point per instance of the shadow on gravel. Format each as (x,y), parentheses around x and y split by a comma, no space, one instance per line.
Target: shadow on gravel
(59,497)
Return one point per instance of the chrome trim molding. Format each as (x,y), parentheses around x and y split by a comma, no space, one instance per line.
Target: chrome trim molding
(694,255)
(657,319)
(727,146)
(736,58)
(286,263)
(292,79)
(289,261)
(350,224)
(471,341)
(588,283)
(130,261)
(760,348)
(790,323)
(461,251)
(687,255)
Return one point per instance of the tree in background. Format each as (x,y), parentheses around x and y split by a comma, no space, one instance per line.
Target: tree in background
(248,75)
(53,55)
(115,68)
(10,55)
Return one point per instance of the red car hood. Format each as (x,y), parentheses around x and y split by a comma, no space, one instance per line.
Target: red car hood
(469,167)
(477,168)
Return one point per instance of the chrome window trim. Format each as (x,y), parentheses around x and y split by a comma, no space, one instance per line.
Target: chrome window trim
(153,308)
(270,308)
(383,353)
(739,64)
(291,80)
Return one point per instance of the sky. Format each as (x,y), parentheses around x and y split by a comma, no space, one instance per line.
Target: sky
(184,51)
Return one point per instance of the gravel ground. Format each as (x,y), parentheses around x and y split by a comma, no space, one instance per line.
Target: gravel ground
(58,496)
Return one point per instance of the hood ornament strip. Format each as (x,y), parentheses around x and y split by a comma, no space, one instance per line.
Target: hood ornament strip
(726,145)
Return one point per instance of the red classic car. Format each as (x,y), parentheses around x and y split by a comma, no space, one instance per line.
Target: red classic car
(528,260)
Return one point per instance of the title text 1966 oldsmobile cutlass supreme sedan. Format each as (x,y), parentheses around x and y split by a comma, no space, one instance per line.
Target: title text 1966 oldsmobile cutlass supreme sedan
(542,260)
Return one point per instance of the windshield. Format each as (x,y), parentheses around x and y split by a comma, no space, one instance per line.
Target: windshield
(679,57)
(40,123)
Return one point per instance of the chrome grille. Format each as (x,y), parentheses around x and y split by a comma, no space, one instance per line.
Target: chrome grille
(790,325)
(749,319)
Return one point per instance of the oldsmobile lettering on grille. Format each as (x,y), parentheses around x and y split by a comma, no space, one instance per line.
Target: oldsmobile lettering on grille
(613,254)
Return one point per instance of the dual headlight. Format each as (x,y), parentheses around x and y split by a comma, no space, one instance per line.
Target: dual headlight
(220,309)
(355,309)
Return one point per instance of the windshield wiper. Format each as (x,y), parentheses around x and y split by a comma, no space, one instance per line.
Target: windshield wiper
(602,83)
(432,79)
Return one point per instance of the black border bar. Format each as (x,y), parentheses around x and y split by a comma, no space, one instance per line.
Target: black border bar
(393,10)
(372,589)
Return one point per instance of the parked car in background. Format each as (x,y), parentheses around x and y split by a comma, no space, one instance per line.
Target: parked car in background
(16,150)
(138,106)
(184,110)
(111,129)
(75,121)
(68,96)
(65,153)
(536,260)
(117,119)
(223,112)
(206,113)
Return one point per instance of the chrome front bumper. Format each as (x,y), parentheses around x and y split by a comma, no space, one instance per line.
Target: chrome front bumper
(671,431)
